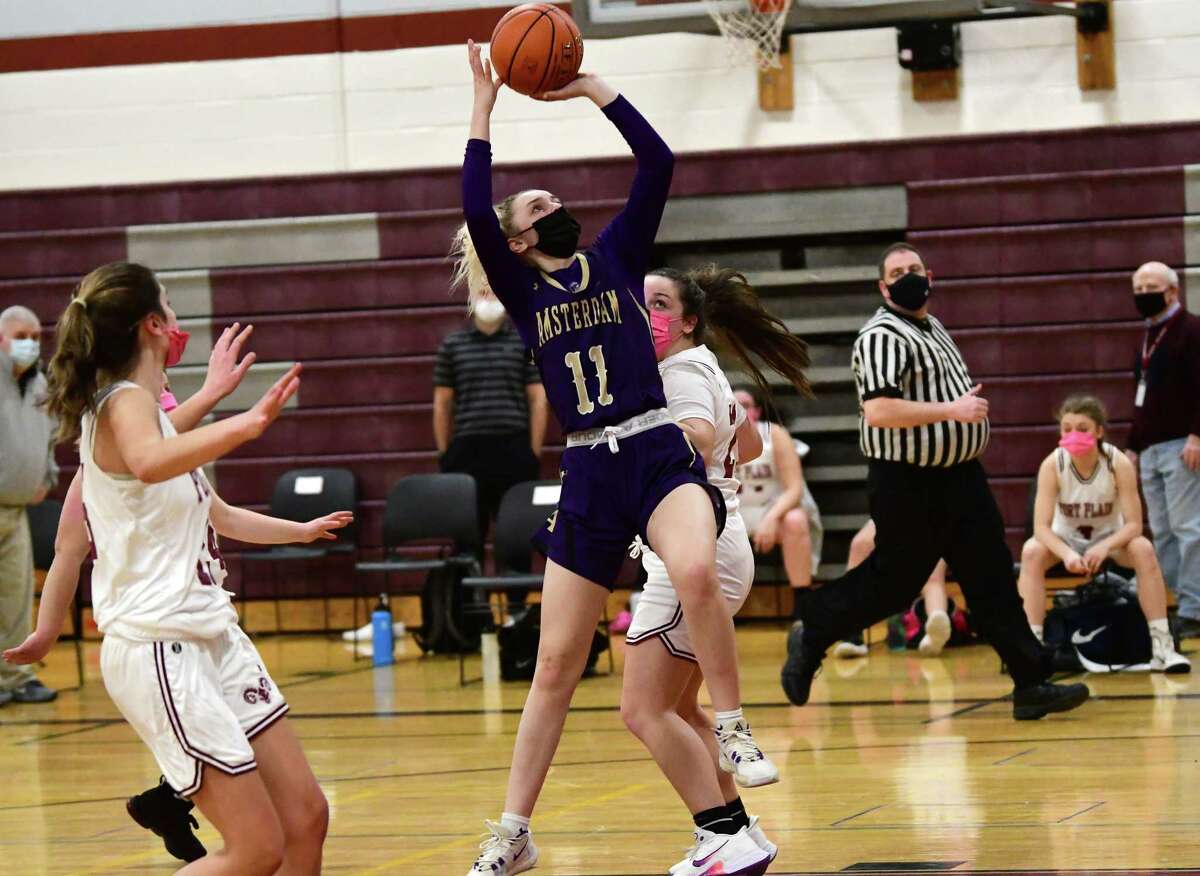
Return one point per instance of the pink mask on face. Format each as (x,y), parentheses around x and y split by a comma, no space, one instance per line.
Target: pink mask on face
(177,343)
(166,401)
(660,328)
(753,415)
(1078,443)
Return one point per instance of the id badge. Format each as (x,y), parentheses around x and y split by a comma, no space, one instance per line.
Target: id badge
(1139,398)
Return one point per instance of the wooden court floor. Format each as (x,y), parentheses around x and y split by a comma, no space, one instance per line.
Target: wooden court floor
(900,764)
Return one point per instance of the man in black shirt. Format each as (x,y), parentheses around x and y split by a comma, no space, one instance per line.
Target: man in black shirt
(924,427)
(489,407)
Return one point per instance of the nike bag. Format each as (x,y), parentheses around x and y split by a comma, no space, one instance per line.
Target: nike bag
(1099,628)
(519,646)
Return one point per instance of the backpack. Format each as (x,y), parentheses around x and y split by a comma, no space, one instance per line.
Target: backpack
(519,646)
(444,628)
(906,630)
(1099,628)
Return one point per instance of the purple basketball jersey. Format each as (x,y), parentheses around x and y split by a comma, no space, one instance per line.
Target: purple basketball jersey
(586,324)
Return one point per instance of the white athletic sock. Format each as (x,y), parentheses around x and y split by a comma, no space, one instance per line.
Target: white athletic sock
(1159,626)
(1037,631)
(732,717)
(514,822)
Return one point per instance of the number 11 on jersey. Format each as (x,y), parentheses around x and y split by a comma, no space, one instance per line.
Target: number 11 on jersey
(575,363)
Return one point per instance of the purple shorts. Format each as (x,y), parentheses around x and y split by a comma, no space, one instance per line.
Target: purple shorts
(608,498)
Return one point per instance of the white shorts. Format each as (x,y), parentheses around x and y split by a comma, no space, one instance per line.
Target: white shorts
(194,702)
(1076,542)
(659,613)
(753,514)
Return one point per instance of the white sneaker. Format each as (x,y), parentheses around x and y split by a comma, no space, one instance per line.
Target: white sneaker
(714,853)
(364,632)
(760,838)
(1166,658)
(937,634)
(505,852)
(741,756)
(847,649)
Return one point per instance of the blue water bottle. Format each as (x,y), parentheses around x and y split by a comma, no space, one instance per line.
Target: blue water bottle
(381,632)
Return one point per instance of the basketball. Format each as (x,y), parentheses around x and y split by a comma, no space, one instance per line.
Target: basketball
(536,47)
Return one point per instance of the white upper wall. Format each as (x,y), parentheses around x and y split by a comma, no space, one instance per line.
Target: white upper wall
(409,108)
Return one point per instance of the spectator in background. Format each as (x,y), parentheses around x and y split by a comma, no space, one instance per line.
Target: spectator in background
(27,474)
(1165,440)
(776,503)
(489,407)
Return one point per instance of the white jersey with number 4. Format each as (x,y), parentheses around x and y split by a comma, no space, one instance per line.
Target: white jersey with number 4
(1086,510)
(158,570)
(696,389)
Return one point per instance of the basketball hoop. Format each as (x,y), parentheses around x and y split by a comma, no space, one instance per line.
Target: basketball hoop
(752,29)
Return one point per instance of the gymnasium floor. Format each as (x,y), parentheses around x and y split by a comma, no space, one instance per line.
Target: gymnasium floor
(901,764)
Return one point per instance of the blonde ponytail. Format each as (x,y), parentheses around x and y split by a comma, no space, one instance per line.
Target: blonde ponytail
(468,269)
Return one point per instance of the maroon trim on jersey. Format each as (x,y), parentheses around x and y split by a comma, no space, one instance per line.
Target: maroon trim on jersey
(661,633)
(164,687)
(675,651)
(265,723)
(675,621)
(196,782)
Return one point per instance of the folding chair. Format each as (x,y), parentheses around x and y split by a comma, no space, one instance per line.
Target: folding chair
(523,511)
(301,495)
(43,529)
(423,508)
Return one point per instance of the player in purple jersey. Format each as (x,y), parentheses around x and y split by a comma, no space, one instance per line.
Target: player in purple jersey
(628,469)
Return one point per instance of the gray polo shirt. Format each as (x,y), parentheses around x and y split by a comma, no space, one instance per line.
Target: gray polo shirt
(26,438)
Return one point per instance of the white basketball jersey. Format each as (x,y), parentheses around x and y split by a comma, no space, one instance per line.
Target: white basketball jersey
(157,569)
(759,480)
(1086,510)
(697,389)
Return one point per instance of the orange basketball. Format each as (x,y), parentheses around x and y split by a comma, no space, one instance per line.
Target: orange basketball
(536,47)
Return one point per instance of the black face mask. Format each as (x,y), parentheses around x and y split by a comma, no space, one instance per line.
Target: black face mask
(558,234)
(910,292)
(1150,304)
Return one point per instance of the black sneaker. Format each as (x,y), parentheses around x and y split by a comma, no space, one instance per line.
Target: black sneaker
(160,811)
(1187,628)
(33,692)
(800,668)
(1035,702)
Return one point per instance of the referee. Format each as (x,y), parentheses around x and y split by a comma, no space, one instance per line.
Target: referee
(924,427)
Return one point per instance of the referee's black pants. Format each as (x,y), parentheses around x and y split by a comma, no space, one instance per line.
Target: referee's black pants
(921,515)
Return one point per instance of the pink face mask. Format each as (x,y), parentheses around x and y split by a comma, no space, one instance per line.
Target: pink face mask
(753,415)
(177,343)
(660,328)
(166,401)
(1078,443)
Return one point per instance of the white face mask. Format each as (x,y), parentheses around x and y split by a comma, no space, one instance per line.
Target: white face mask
(25,352)
(489,310)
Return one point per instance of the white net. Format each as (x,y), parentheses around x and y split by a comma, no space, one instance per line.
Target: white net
(752,29)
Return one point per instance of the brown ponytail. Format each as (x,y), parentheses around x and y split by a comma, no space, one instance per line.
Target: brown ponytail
(97,336)
(724,302)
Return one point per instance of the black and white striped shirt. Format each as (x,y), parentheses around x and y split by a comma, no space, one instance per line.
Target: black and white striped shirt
(489,375)
(897,356)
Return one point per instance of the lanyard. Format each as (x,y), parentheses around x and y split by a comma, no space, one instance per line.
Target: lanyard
(1148,354)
